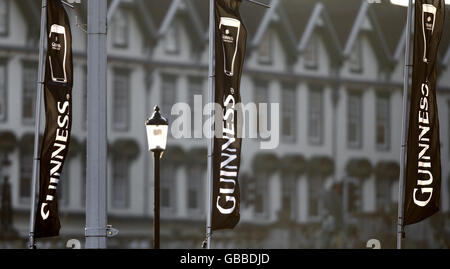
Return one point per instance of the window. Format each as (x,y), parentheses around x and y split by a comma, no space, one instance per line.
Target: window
(195,189)
(261,196)
(312,53)
(448,127)
(121,184)
(383,190)
(289,202)
(64,185)
(26,170)
(265,49)
(262,97)
(168,95)
(315,188)
(29,92)
(121,29)
(83,179)
(288,113)
(121,108)
(4,17)
(85,99)
(383,121)
(354,114)
(356,57)
(171,39)
(315,116)
(3,93)
(195,89)
(168,190)
(354,196)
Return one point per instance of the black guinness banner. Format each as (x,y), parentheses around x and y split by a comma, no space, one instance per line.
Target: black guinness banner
(423,171)
(58,113)
(230,45)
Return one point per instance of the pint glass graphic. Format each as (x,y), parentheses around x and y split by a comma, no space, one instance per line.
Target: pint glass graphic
(230,29)
(428,21)
(57,54)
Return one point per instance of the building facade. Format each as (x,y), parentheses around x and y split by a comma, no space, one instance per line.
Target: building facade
(336,73)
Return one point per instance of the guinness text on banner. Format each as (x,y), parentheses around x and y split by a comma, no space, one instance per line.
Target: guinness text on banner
(423,170)
(230,46)
(58,113)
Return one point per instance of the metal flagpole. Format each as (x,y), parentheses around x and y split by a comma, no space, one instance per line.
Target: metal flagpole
(401,188)
(40,89)
(96,195)
(210,138)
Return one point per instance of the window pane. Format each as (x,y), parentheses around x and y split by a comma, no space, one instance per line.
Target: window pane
(195,89)
(356,61)
(168,96)
(383,121)
(195,188)
(265,49)
(120,186)
(354,128)
(26,169)
(121,106)
(288,113)
(315,118)
(29,93)
(311,53)
(171,39)
(4,17)
(120,32)
(168,190)
(3,93)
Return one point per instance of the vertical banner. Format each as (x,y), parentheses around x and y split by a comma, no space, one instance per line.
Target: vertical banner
(423,170)
(58,112)
(230,45)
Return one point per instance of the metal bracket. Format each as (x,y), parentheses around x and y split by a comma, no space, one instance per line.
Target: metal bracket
(107,231)
(110,231)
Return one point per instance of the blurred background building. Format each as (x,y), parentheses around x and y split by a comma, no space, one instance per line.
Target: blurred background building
(335,67)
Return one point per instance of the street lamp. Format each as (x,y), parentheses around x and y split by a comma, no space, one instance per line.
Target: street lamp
(157,129)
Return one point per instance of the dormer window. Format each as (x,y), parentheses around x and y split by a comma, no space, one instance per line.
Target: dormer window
(121,29)
(356,57)
(311,53)
(171,40)
(4,17)
(265,49)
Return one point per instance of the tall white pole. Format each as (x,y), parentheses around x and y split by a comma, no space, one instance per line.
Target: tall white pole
(210,138)
(406,78)
(96,187)
(40,89)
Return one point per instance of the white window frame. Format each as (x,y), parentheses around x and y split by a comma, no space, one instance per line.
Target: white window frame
(355,60)
(383,116)
(316,115)
(3,91)
(121,97)
(265,50)
(121,29)
(311,55)
(121,175)
(355,117)
(29,78)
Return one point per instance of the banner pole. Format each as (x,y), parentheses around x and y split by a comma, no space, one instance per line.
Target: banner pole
(210,138)
(40,88)
(96,165)
(406,77)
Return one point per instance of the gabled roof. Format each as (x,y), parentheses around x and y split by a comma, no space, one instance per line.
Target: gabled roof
(31,11)
(319,15)
(276,16)
(145,22)
(187,11)
(377,36)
